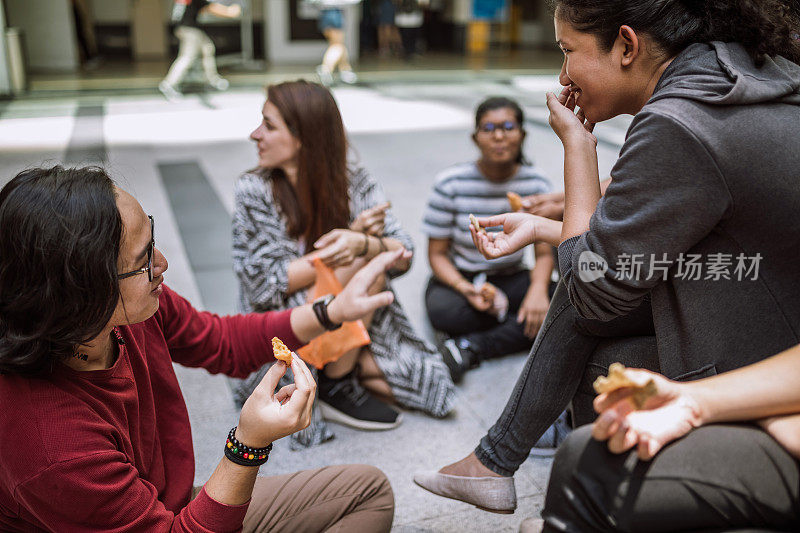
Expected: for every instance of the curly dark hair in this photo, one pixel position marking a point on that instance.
(60, 233)
(502, 102)
(763, 27)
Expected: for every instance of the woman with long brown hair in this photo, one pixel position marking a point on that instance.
(304, 200)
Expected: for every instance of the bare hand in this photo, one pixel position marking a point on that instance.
(371, 221)
(519, 230)
(339, 247)
(474, 296)
(566, 123)
(354, 301)
(268, 415)
(667, 416)
(532, 312)
(549, 205)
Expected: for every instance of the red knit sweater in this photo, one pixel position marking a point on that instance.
(112, 449)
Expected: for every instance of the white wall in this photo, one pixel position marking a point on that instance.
(49, 28)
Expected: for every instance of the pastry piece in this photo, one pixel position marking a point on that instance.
(473, 221)
(617, 379)
(515, 200)
(488, 292)
(281, 352)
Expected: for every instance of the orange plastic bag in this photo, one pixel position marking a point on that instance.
(331, 345)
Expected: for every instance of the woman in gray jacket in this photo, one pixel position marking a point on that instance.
(698, 218)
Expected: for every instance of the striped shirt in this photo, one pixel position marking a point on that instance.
(462, 189)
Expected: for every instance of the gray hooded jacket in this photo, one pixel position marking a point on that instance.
(708, 177)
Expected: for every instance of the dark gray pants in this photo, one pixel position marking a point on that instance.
(560, 365)
(717, 478)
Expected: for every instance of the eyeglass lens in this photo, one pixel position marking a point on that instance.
(506, 126)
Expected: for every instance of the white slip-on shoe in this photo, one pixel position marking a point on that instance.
(493, 494)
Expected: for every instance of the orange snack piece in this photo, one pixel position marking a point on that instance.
(281, 352)
(617, 379)
(488, 292)
(515, 200)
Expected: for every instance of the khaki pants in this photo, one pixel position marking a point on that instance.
(340, 498)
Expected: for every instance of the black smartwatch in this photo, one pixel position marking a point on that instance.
(320, 308)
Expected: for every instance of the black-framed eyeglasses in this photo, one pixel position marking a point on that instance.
(506, 126)
(150, 252)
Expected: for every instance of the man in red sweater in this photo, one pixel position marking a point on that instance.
(95, 432)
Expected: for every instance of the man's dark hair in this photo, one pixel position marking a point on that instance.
(501, 102)
(60, 233)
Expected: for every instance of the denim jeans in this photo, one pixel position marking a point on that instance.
(555, 367)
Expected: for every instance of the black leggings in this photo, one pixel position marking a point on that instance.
(718, 478)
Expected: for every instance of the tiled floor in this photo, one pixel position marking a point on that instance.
(180, 161)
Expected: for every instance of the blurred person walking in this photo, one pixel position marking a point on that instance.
(388, 35)
(331, 25)
(409, 20)
(195, 42)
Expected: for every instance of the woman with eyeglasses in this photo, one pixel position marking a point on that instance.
(95, 431)
(481, 325)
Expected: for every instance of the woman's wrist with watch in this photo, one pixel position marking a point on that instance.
(327, 311)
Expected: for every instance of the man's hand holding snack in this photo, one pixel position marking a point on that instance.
(643, 410)
(371, 221)
(268, 415)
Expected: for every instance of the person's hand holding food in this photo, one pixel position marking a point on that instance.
(645, 410)
(548, 205)
(372, 221)
(519, 230)
(268, 415)
(340, 247)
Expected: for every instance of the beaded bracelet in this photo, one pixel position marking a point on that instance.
(245, 455)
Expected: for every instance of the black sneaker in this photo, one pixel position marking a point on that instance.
(458, 357)
(346, 402)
